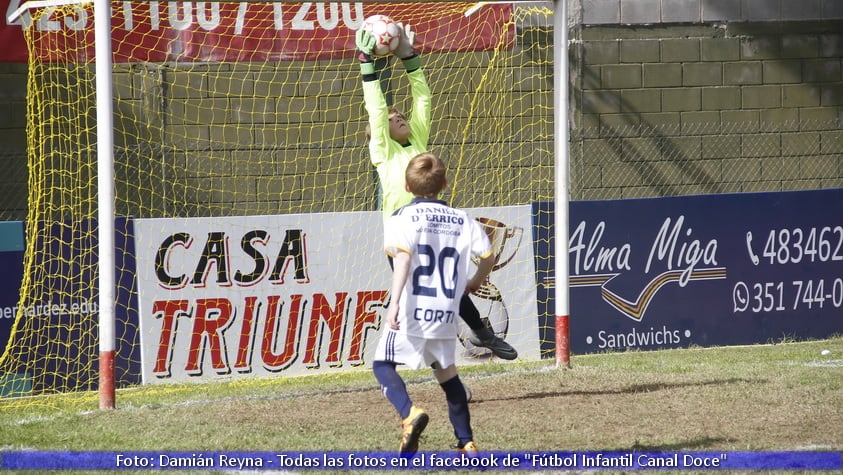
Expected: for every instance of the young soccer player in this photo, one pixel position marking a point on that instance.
(394, 139)
(432, 246)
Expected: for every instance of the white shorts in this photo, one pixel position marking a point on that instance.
(414, 351)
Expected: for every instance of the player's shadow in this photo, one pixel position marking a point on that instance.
(700, 443)
(694, 444)
(631, 389)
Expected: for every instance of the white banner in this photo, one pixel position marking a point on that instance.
(294, 294)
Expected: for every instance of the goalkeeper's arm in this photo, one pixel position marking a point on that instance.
(405, 50)
(365, 46)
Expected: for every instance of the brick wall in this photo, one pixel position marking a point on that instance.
(13, 141)
(688, 109)
(613, 12)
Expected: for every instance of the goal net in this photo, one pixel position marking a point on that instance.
(249, 111)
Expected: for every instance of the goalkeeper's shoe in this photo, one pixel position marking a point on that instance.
(413, 426)
(485, 338)
(470, 447)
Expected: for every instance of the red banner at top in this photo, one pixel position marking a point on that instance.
(246, 31)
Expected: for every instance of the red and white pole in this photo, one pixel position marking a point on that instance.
(561, 161)
(105, 200)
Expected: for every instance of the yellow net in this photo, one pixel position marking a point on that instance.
(248, 109)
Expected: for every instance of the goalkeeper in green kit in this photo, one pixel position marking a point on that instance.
(394, 139)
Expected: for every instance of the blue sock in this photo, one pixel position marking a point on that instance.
(458, 409)
(393, 387)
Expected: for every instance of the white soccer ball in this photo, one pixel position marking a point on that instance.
(386, 31)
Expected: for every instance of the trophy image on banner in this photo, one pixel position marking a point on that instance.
(505, 242)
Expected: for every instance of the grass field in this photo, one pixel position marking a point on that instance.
(785, 396)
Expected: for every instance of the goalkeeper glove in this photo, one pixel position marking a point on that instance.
(365, 45)
(405, 44)
(405, 49)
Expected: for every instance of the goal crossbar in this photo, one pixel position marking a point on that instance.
(34, 4)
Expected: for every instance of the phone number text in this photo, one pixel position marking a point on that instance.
(795, 246)
(780, 296)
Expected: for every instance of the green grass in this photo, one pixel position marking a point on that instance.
(783, 396)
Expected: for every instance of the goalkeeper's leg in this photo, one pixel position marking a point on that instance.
(483, 334)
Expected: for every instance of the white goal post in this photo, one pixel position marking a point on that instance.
(561, 166)
(561, 190)
(105, 186)
(105, 201)
(105, 179)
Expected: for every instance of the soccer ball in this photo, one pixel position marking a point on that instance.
(386, 31)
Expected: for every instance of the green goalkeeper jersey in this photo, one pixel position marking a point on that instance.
(389, 157)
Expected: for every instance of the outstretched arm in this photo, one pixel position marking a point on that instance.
(401, 269)
(420, 118)
(373, 98)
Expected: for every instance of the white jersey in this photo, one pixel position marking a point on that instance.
(442, 241)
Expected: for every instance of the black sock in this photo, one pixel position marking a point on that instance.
(470, 314)
(458, 409)
(393, 387)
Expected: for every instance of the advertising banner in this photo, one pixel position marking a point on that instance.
(63, 307)
(11, 261)
(247, 31)
(697, 270)
(293, 294)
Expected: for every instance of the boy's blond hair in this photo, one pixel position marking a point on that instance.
(425, 175)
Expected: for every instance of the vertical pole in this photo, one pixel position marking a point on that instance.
(105, 201)
(560, 149)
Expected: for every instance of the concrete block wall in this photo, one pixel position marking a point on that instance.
(707, 108)
(13, 141)
(638, 12)
(291, 131)
(243, 138)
